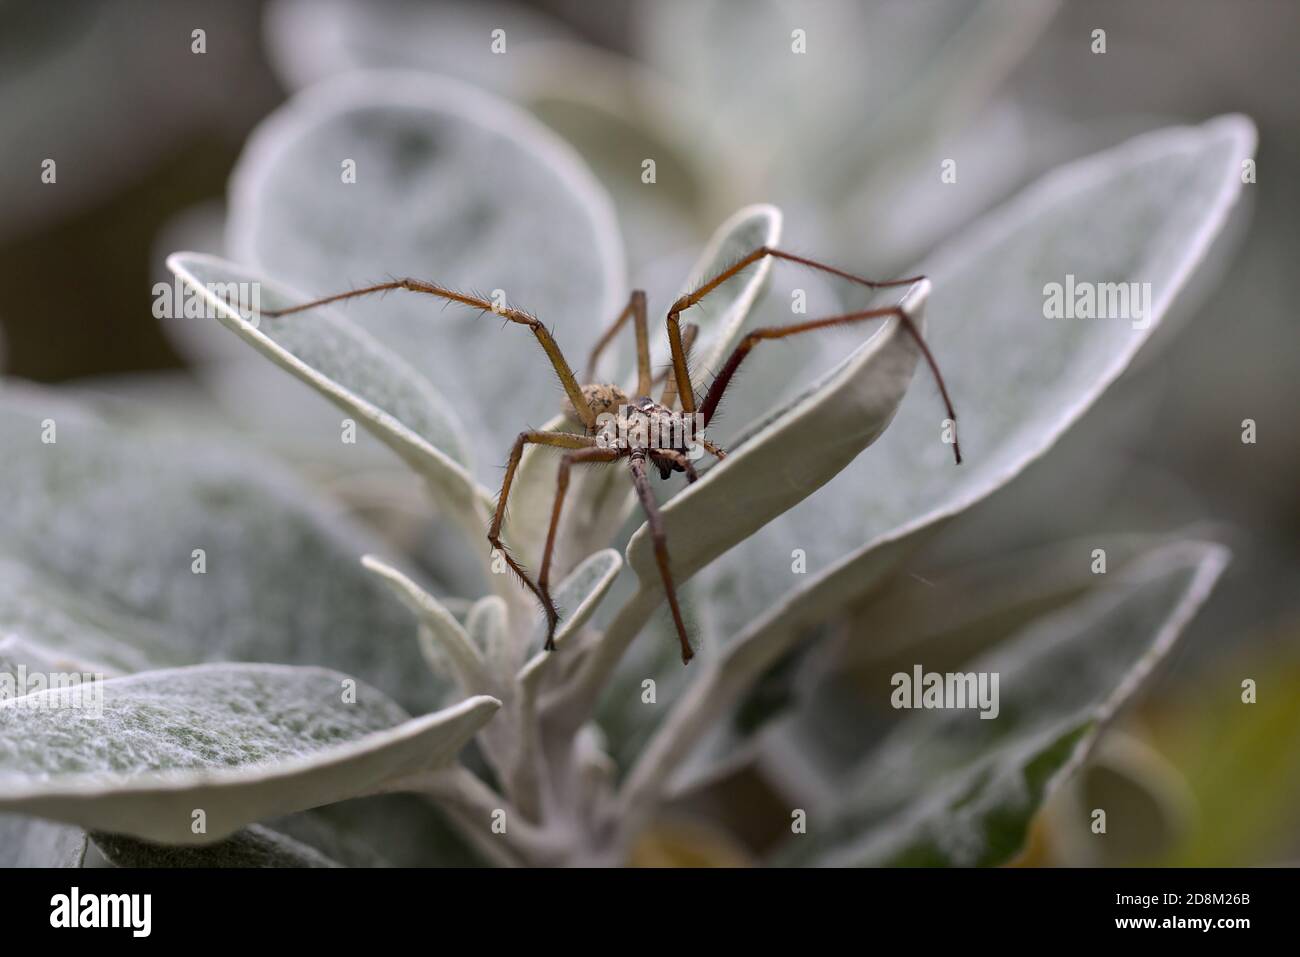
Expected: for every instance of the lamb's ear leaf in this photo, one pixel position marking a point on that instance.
(951, 788)
(806, 442)
(254, 846)
(226, 553)
(722, 314)
(451, 184)
(350, 368)
(486, 625)
(46, 623)
(726, 717)
(33, 842)
(446, 642)
(388, 830)
(1143, 212)
(142, 755)
(577, 597)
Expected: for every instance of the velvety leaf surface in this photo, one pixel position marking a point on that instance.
(390, 830)
(952, 788)
(254, 846)
(238, 742)
(114, 512)
(452, 185)
(577, 597)
(330, 353)
(37, 611)
(1144, 212)
(786, 456)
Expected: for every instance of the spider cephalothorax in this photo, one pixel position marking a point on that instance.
(668, 434)
(669, 439)
(666, 437)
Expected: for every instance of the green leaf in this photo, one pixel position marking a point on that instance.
(805, 443)
(329, 352)
(451, 185)
(952, 788)
(254, 846)
(444, 639)
(239, 742)
(486, 626)
(1143, 212)
(937, 612)
(114, 512)
(577, 597)
(1128, 215)
(44, 617)
(952, 613)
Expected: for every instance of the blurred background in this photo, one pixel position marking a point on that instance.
(145, 133)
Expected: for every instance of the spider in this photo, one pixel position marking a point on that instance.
(666, 434)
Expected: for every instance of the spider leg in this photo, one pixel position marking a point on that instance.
(635, 310)
(685, 302)
(563, 440)
(682, 459)
(592, 454)
(570, 383)
(728, 370)
(669, 398)
(714, 450)
(655, 521)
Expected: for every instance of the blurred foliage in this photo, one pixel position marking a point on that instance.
(75, 302)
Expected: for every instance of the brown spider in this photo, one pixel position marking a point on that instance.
(639, 429)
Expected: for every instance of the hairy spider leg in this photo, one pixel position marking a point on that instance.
(636, 311)
(712, 449)
(567, 379)
(682, 372)
(590, 455)
(669, 398)
(562, 440)
(655, 522)
(645, 381)
(719, 386)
